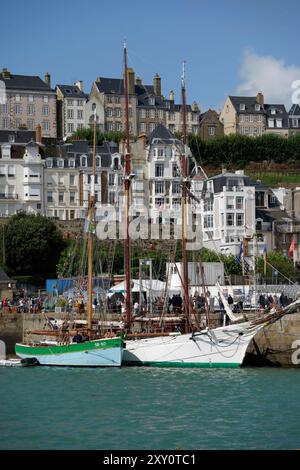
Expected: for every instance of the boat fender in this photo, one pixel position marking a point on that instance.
(30, 361)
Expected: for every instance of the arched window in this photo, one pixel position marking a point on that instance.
(116, 163)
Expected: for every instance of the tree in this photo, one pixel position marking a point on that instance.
(32, 245)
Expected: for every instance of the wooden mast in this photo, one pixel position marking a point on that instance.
(184, 201)
(127, 194)
(91, 227)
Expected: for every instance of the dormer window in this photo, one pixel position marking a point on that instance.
(18, 98)
(242, 107)
(60, 163)
(72, 163)
(49, 162)
(273, 111)
(98, 162)
(83, 161)
(152, 101)
(257, 107)
(11, 138)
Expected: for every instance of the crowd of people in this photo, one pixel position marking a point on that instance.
(23, 304)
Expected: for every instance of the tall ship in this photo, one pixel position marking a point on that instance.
(192, 347)
(82, 347)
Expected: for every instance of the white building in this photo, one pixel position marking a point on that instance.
(21, 175)
(228, 209)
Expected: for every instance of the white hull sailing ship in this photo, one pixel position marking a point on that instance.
(218, 347)
(211, 347)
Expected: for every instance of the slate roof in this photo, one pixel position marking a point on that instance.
(295, 110)
(163, 135)
(248, 101)
(71, 91)
(280, 113)
(20, 137)
(110, 85)
(79, 148)
(25, 82)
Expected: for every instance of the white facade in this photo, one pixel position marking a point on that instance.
(21, 181)
(228, 213)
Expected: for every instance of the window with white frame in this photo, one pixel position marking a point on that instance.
(18, 123)
(295, 122)
(176, 188)
(61, 196)
(49, 162)
(49, 196)
(71, 163)
(117, 112)
(278, 122)
(46, 110)
(208, 221)
(230, 202)
(60, 163)
(111, 179)
(30, 124)
(30, 109)
(208, 204)
(70, 127)
(5, 123)
(259, 118)
(142, 127)
(151, 127)
(273, 111)
(242, 107)
(30, 98)
(239, 202)
(18, 109)
(142, 113)
(271, 122)
(211, 130)
(72, 180)
(230, 219)
(159, 187)
(45, 125)
(159, 170)
(79, 114)
(70, 113)
(45, 99)
(250, 117)
(257, 107)
(72, 197)
(111, 197)
(240, 219)
(152, 113)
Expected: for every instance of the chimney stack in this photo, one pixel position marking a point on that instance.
(260, 98)
(47, 79)
(138, 81)
(157, 85)
(5, 73)
(38, 134)
(131, 81)
(79, 84)
(172, 95)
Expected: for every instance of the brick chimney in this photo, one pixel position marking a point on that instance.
(79, 84)
(157, 84)
(47, 79)
(38, 134)
(5, 73)
(260, 98)
(131, 81)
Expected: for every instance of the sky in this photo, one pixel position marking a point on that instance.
(230, 46)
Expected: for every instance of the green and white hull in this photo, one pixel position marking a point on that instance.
(106, 352)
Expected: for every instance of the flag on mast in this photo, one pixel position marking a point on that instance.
(292, 248)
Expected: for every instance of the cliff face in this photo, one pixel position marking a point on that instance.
(278, 343)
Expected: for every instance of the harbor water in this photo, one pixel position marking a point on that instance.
(147, 408)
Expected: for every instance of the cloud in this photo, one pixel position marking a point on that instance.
(271, 76)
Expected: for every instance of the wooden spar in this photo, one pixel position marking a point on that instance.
(127, 194)
(91, 226)
(184, 198)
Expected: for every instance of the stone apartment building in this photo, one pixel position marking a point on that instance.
(29, 101)
(251, 116)
(147, 106)
(68, 172)
(71, 101)
(210, 126)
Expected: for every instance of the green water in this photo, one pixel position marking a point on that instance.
(140, 408)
